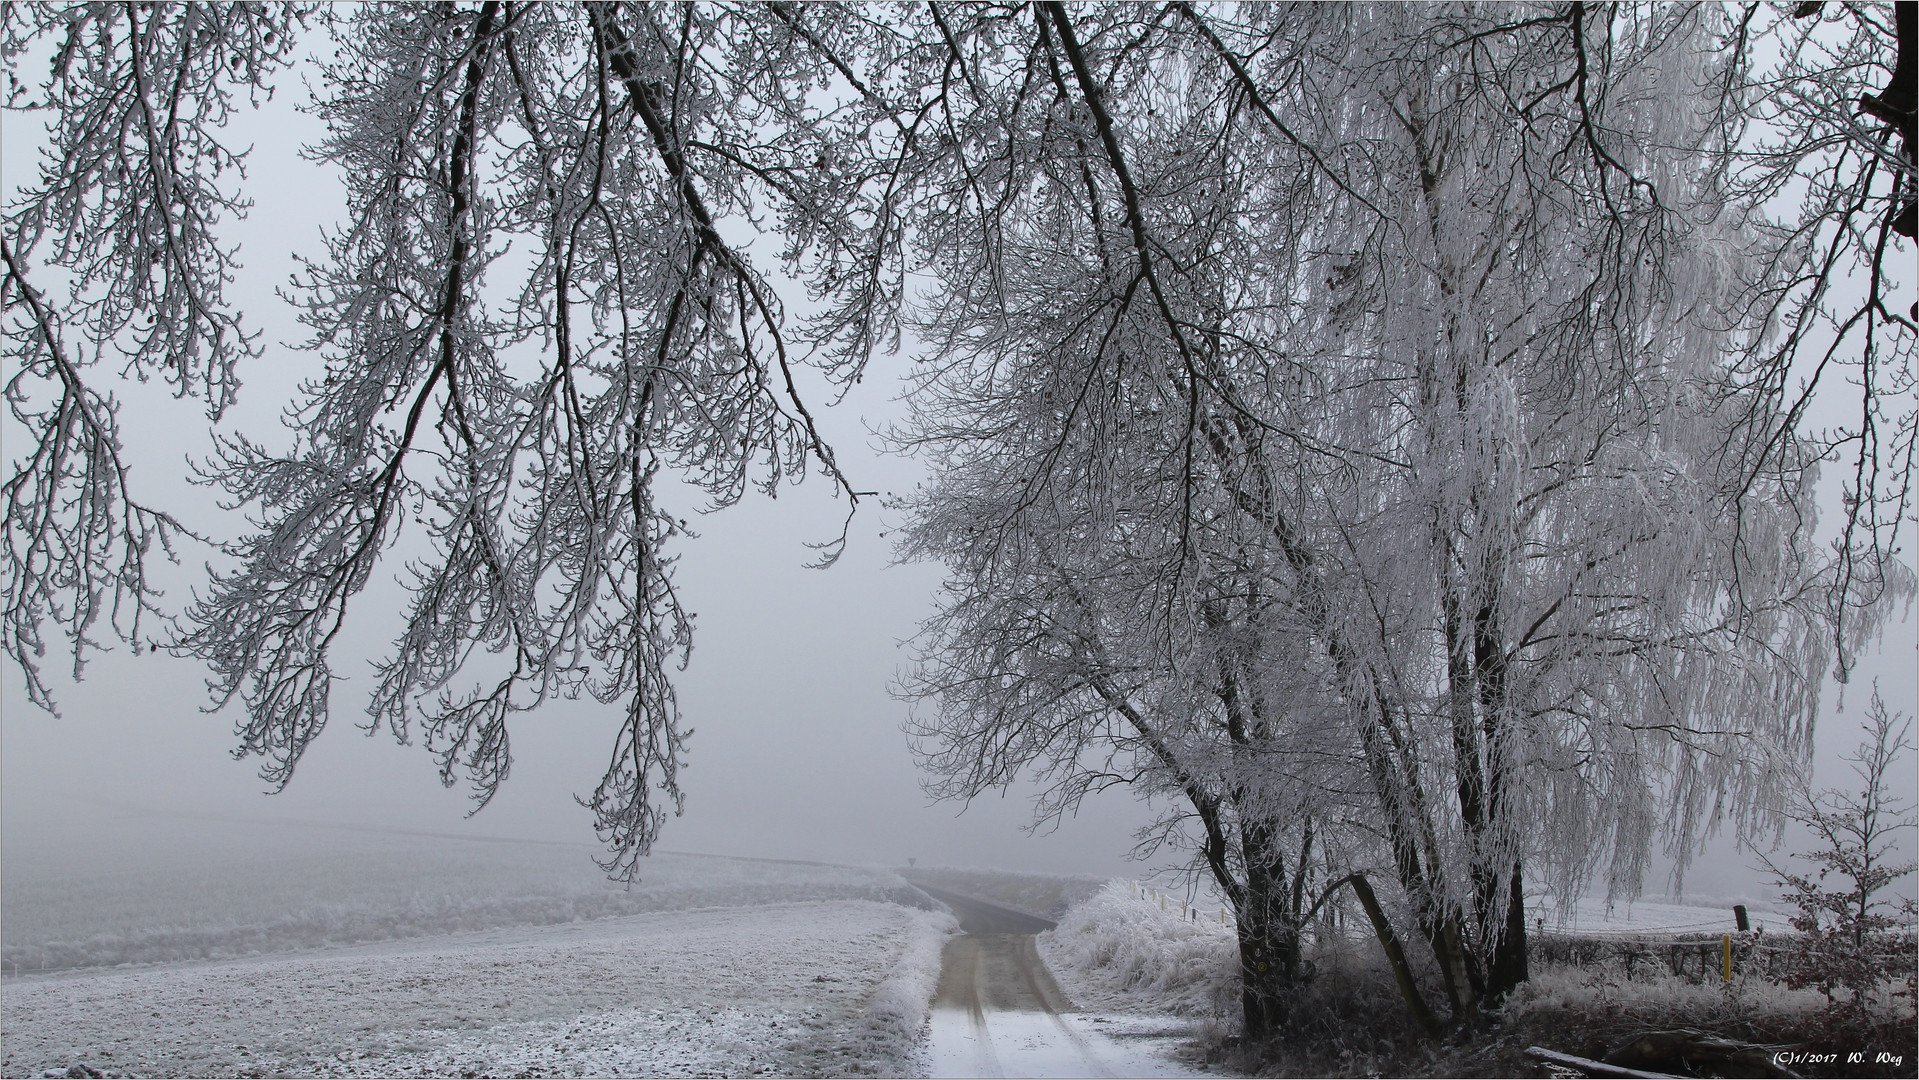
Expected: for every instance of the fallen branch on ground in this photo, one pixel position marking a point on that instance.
(1684, 1046)
(1591, 1067)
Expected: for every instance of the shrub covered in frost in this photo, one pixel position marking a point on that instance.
(1120, 950)
(1576, 990)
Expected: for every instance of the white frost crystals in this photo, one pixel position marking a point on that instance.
(1381, 430)
(524, 437)
(774, 989)
(130, 218)
(519, 425)
(1122, 951)
(1362, 448)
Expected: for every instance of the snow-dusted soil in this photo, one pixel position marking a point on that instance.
(798, 989)
(1000, 1012)
(1041, 1044)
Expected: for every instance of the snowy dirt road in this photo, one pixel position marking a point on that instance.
(998, 1011)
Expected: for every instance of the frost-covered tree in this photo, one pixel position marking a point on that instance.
(1113, 616)
(127, 210)
(1375, 372)
(517, 422)
(1381, 430)
(524, 436)
(1595, 622)
(1818, 103)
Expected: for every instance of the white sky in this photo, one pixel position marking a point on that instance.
(798, 751)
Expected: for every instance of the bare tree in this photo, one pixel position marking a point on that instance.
(520, 426)
(1850, 935)
(125, 221)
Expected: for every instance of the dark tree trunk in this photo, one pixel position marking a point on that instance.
(1505, 940)
(1395, 955)
(1508, 967)
(1269, 945)
(1268, 978)
(1406, 826)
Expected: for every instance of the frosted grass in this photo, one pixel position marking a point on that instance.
(1129, 949)
(1121, 951)
(799, 989)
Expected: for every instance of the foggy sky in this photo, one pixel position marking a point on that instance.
(798, 751)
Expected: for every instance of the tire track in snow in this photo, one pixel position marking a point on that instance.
(998, 1011)
(959, 992)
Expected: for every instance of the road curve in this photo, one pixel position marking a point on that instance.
(978, 916)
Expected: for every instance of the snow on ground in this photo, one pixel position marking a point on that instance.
(895, 1018)
(1142, 979)
(1592, 915)
(1043, 895)
(782, 989)
(1036, 1044)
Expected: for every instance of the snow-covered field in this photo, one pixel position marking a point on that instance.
(172, 901)
(382, 953)
(387, 954)
(1044, 895)
(782, 989)
(1591, 915)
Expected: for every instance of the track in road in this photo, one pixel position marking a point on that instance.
(999, 1013)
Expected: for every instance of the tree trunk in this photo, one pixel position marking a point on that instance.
(1268, 978)
(1505, 953)
(1396, 956)
(1458, 966)
(1508, 967)
(1269, 945)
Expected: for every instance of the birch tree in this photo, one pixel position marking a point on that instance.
(1436, 304)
